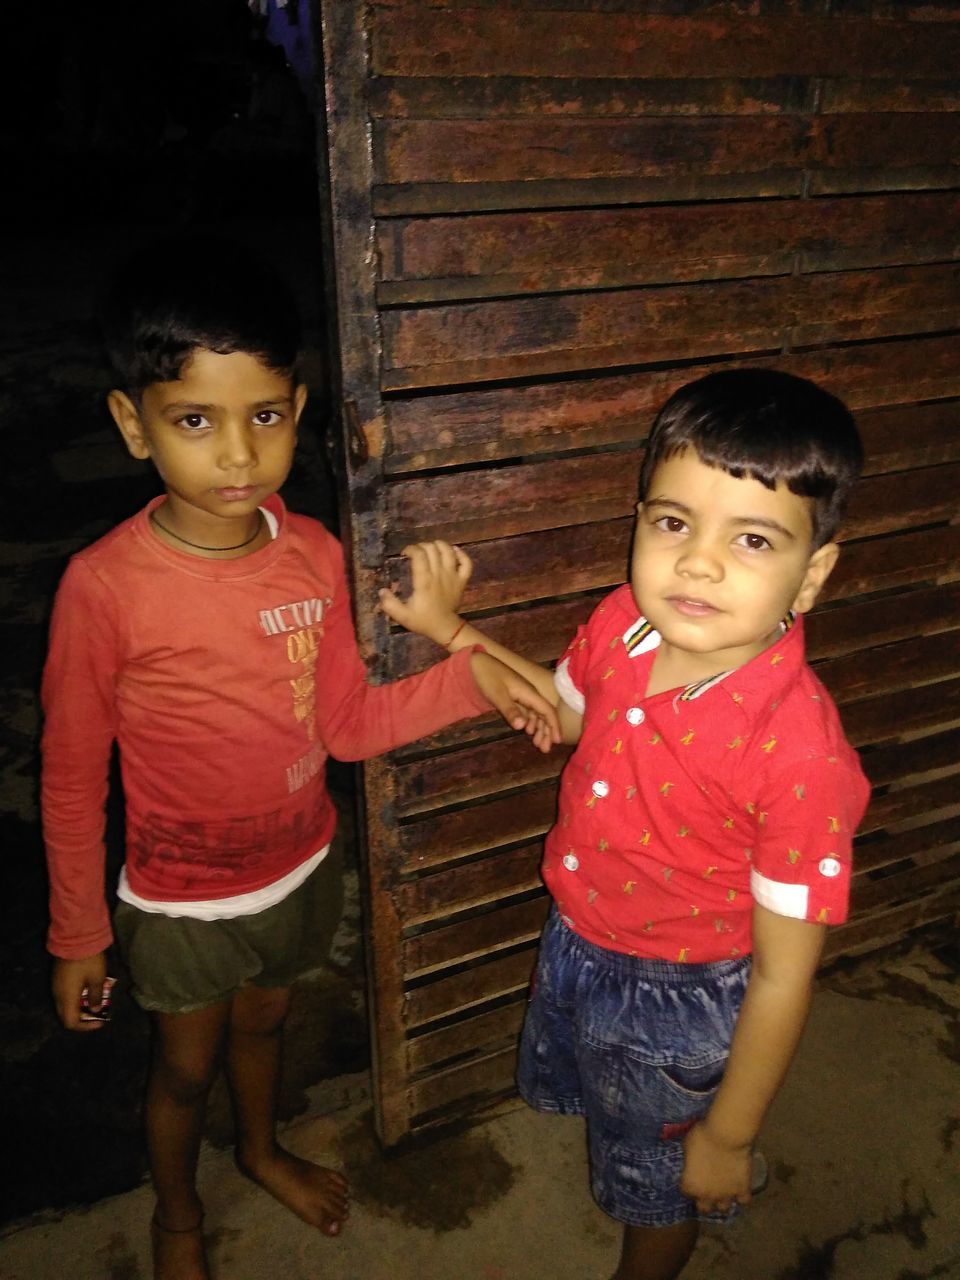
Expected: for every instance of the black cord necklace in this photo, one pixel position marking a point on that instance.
(199, 547)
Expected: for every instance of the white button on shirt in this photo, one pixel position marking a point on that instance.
(635, 715)
(601, 789)
(571, 861)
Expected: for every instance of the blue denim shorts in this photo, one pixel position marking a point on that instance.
(636, 1046)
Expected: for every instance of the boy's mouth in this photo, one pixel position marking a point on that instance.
(691, 606)
(235, 494)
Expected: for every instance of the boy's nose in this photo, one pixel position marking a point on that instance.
(698, 560)
(236, 447)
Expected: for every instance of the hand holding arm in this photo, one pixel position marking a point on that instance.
(718, 1150)
(69, 979)
(518, 702)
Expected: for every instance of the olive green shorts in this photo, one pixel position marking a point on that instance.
(178, 964)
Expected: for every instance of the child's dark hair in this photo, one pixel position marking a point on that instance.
(196, 291)
(769, 426)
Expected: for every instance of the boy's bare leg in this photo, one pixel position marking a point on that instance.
(254, 1055)
(186, 1058)
(656, 1253)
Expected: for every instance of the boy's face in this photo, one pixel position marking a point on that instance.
(718, 562)
(221, 436)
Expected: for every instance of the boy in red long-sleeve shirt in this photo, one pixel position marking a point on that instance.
(210, 637)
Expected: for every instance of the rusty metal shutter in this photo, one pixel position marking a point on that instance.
(547, 216)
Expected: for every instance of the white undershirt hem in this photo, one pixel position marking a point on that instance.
(241, 904)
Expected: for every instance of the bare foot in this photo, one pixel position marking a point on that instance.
(313, 1193)
(178, 1254)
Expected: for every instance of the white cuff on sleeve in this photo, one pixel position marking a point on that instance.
(782, 899)
(567, 690)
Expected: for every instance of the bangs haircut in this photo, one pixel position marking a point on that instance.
(189, 292)
(768, 426)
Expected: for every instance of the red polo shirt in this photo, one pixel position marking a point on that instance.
(678, 812)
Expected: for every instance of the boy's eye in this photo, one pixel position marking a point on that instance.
(670, 524)
(266, 417)
(754, 542)
(193, 421)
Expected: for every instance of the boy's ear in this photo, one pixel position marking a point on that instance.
(299, 401)
(819, 568)
(127, 417)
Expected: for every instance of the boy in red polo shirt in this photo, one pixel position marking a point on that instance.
(703, 840)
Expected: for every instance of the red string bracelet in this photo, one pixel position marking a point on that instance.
(455, 634)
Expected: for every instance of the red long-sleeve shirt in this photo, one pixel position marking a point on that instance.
(226, 684)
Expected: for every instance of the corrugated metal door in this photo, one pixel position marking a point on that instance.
(547, 216)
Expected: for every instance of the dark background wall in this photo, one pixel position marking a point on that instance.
(126, 120)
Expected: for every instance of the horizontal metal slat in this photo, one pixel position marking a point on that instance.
(436, 166)
(495, 930)
(469, 97)
(410, 152)
(898, 762)
(434, 259)
(907, 884)
(492, 1031)
(932, 840)
(439, 841)
(471, 507)
(906, 664)
(484, 424)
(477, 341)
(889, 95)
(547, 562)
(493, 42)
(456, 776)
(872, 929)
(894, 617)
(916, 802)
(904, 436)
(502, 976)
(896, 715)
(448, 1092)
(505, 872)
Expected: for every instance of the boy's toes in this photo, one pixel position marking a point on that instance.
(313, 1193)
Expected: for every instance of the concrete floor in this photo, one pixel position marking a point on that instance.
(862, 1144)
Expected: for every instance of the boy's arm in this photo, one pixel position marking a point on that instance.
(439, 574)
(358, 720)
(718, 1150)
(79, 726)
